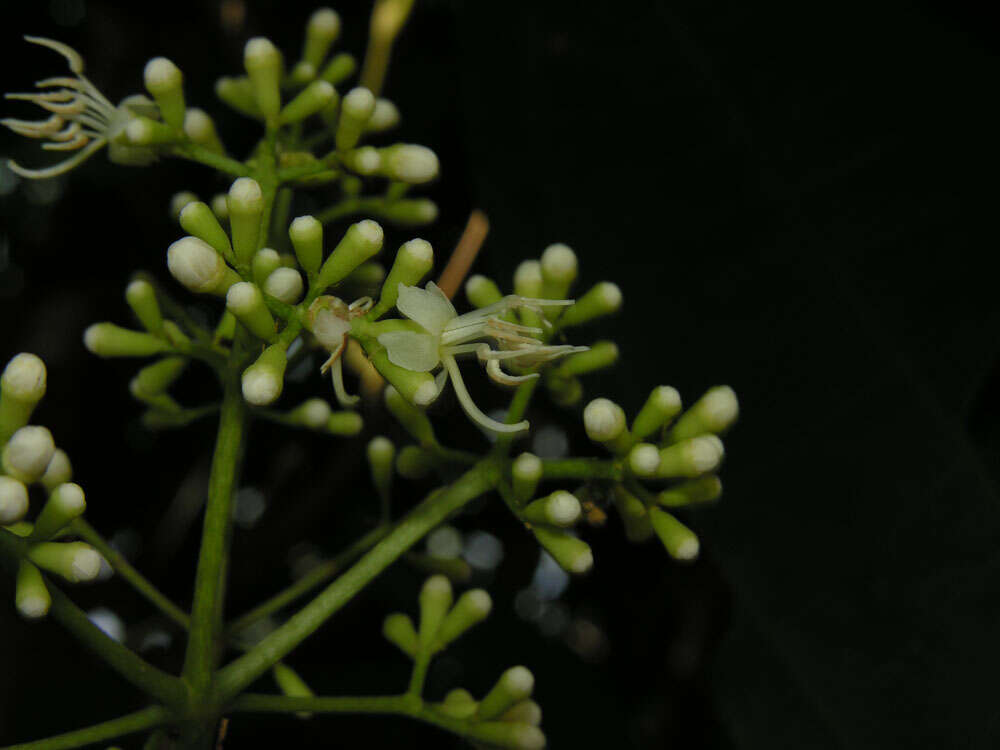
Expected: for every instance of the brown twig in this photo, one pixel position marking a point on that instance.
(465, 253)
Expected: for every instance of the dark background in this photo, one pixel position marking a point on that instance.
(798, 199)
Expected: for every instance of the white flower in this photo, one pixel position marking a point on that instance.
(82, 119)
(330, 324)
(445, 334)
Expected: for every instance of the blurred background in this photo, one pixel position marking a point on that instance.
(796, 199)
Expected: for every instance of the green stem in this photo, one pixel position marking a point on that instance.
(581, 468)
(134, 722)
(432, 511)
(202, 155)
(125, 569)
(518, 406)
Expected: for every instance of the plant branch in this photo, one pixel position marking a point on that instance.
(148, 718)
(194, 152)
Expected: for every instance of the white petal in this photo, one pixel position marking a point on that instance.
(429, 307)
(412, 350)
(330, 329)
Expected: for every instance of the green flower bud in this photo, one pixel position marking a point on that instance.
(690, 458)
(142, 131)
(369, 274)
(408, 212)
(384, 117)
(246, 207)
(313, 98)
(13, 500)
(301, 74)
(179, 200)
(712, 413)
(197, 219)
(482, 291)
(265, 262)
(525, 712)
(704, 490)
(264, 379)
(285, 284)
(604, 420)
(559, 269)
(360, 242)
(312, 413)
(663, 404)
(345, 423)
(633, 513)
(64, 504)
(600, 355)
(398, 629)
(322, 31)
(561, 508)
(165, 83)
(603, 299)
(198, 267)
(409, 163)
(28, 452)
(512, 735)
(32, 598)
(22, 386)
(644, 460)
(75, 561)
(564, 391)
(413, 420)
(263, 64)
(525, 473)
(514, 686)
(679, 541)
(238, 93)
(340, 68)
(109, 340)
(58, 471)
(572, 553)
(458, 704)
(381, 454)
(528, 279)
(413, 462)
(290, 684)
(435, 601)
(200, 128)
(364, 160)
(245, 301)
(306, 234)
(471, 609)
(154, 380)
(141, 297)
(356, 108)
(413, 261)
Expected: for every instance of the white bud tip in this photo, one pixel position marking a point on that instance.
(370, 231)
(359, 102)
(284, 284)
(161, 74)
(92, 338)
(13, 500)
(197, 124)
(527, 466)
(315, 413)
(425, 394)
(528, 737)
(195, 264)
(385, 115)
(644, 459)
(476, 282)
(418, 250)
(519, 681)
(325, 21)
(610, 295)
(437, 585)
(559, 262)
(411, 163)
(305, 228)
(380, 446)
(138, 288)
(603, 419)
(242, 297)
(583, 562)
(24, 377)
(139, 132)
(667, 398)
(528, 278)
(704, 453)
(219, 206)
(720, 407)
(59, 469)
(563, 508)
(29, 451)
(367, 160)
(260, 386)
(245, 193)
(688, 549)
(479, 601)
(260, 51)
(323, 89)
(86, 564)
(32, 607)
(71, 498)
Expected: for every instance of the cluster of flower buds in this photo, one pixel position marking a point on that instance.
(506, 716)
(30, 457)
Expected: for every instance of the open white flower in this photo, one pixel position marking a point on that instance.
(82, 119)
(330, 323)
(445, 334)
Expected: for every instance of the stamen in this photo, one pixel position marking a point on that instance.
(343, 397)
(499, 376)
(470, 407)
(67, 133)
(71, 55)
(76, 142)
(61, 167)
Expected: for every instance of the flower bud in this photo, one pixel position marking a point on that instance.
(200, 128)
(291, 684)
(58, 471)
(408, 212)
(702, 490)
(264, 379)
(528, 279)
(511, 735)
(413, 261)
(31, 598)
(559, 269)
(364, 160)
(680, 542)
(13, 500)
(64, 504)
(398, 629)
(340, 68)
(514, 686)
(712, 413)
(409, 163)
(413, 420)
(525, 473)
(633, 513)
(165, 83)
(322, 31)
(246, 207)
(525, 712)
(345, 423)
(198, 267)
(238, 93)
(141, 297)
(306, 234)
(142, 131)
(75, 561)
(471, 609)
(154, 380)
(413, 462)
(22, 386)
(384, 117)
(312, 413)
(198, 219)
(604, 420)
(603, 299)
(458, 704)
(109, 340)
(28, 452)
(285, 284)
(314, 97)
(381, 454)
(644, 460)
(565, 392)
(561, 508)
(435, 601)
(265, 262)
(263, 64)
(301, 74)
(572, 553)
(356, 108)
(246, 303)
(600, 355)
(368, 274)
(690, 458)
(482, 291)
(663, 404)
(179, 200)
(360, 242)
(220, 206)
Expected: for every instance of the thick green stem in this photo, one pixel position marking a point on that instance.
(202, 155)
(432, 511)
(518, 406)
(134, 722)
(581, 468)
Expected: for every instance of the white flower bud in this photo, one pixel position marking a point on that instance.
(179, 200)
(24, 378)
(602, 299)
(528, 279)
(559, 269)
(482, 291)
(644, 459)
(384, 117)
(306, 234)
(410, 163)
(195, 264)
(27, 454)
(561, 508)
(262, 61)
(359, 103)
(13, 500)
(161, 75)
(285, 284)
(604, 420)
(713, 412)
(514, 686)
